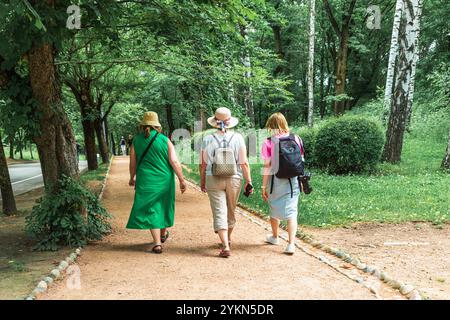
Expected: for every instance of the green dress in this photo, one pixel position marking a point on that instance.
(154, 199)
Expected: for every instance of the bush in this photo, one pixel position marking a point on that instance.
(71, 217)
(308, 136)
(348, 144)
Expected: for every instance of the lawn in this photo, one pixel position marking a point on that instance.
(414, 190)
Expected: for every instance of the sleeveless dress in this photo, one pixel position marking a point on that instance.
(282, 205)
(154, 199)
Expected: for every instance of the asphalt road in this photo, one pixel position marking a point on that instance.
(28, 176)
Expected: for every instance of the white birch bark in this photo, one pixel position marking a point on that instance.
(416, 26)
(393, 52)
(312, 21)
(248, 93)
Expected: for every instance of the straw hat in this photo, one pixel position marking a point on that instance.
(150, 119)
(223, 114)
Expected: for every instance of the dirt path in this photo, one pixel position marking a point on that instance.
(120, 268)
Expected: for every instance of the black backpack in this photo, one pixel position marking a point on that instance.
(291, 159)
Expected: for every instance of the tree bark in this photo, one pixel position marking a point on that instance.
(55, 140)
(8, 201)
(343, 32)
(446, 160)
(248, 92)
(399, 110)
(416, 26)
(312, 21)
(101, 139)
(393, 52)
(11, 148)
(169, 116)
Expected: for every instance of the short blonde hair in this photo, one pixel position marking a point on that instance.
(277, 124)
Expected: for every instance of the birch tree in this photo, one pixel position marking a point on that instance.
(393, 52)
(312, 21)
(404, 80)
(248, 92)
(415, 60)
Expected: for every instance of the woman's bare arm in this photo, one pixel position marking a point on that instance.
(132, 166)
(176, 165)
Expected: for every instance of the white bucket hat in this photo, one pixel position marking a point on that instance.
(223, 114)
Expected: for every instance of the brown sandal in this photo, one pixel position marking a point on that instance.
(155, 249)
(225, 253)
(165, 237)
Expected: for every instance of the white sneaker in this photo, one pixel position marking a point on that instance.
(271, 239)
(290, 249)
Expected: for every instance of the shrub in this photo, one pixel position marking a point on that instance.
(348, 144)
(308, 136)
(72, 217)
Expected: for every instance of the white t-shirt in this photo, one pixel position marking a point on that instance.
(236, 143)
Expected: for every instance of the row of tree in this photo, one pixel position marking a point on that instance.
(183, 59)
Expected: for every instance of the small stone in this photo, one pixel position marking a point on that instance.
(78, 251)
(68, 260)
(63, 265)
(55, 273)
(406, 289)
(383, 276)
(354, 262)
(48, 280)
(369, 269)
(73, 256)
(377, 274)
(414, 295)
(359, 280)
(348, 259)
(394, 284)
(361, 266)
(42, 285)
(340, 254)
(30, 298)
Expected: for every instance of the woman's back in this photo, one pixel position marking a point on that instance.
(155, 168)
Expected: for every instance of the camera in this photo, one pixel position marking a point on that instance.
(248, 190)
(304, 183)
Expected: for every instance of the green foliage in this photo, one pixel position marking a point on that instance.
(348, 144)
(73, 217)
(308, 136)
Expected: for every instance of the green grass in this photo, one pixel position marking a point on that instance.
(414, 190)
(95, 175)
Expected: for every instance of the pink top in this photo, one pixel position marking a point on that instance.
(268, 146)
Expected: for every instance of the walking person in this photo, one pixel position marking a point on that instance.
(123, 146)
(283, 156)
(153, 162)
(223, 165)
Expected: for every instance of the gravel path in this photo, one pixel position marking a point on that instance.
(119, 267)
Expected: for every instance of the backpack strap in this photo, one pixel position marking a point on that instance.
(292, 190)
(146, 149)
(271, 184)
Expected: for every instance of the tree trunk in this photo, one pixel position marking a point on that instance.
(248, 92)
(393, 52)
(416, 26)
(446, 160)
(341, 72)
(398, 115)
(101, 139)
(113, 144)
(31, 151)
(11, 148)
(169, 115)
(8, 201)
(89, 143)
(276, 29)
(56, 141)
(312, 21)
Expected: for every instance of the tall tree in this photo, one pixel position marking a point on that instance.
(312, 22)
(248, 91)
(404, 80)
(8, 200)
(393, 52)
(343, 33)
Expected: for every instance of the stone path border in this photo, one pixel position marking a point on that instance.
(406, 290)
(58, 273)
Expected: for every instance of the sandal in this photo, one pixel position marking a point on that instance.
(225, 253)
(165, 237)
(155, 249)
